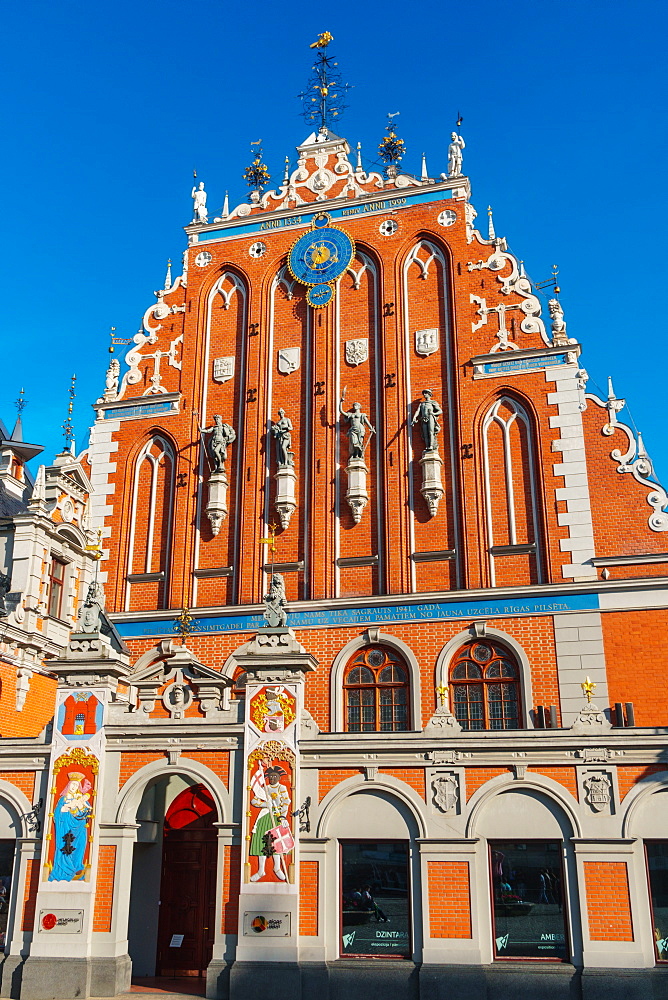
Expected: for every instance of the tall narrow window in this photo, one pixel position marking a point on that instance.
(376, 692)
(151, 524)
(484, 681)
(511, 507)
(56, 582)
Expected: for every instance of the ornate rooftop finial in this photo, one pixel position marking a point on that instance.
(359, 155)
(226, 206)
(286, 172)
(425, 175)
(391, 147)
(491, 233)
(68, 426)
(21, 402)
(256, 174)
(323, 98)
(168, 276)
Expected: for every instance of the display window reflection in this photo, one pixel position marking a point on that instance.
(657, 870)
(375, 899)
(528, 900)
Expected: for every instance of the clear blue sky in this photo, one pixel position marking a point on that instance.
(108, 107)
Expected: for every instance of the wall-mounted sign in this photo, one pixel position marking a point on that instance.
(266, 924)
(176, 940)
(60, 921)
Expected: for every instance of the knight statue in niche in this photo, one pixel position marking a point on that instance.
(282, 433)
(275, 603)
(427, 413)
(221, 435)
(357, 424)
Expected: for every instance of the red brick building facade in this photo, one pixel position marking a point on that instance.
(472, 574)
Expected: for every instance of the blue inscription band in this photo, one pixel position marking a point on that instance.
(430, 611)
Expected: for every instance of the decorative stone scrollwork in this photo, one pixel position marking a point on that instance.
(635, 459)
(516, 282)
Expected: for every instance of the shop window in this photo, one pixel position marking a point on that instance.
(376, 692)
(484, 681)
(56, 582)
(657, 870)
(528, 900)
(7, 848)
(375, 899)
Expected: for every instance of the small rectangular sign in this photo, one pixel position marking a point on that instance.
(177, 940)
(266, 924)
(60, 921)
(509, 365)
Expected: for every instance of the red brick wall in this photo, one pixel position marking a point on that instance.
(608, 902)
(104, 888)
(231, 889)
(329, 779)
(628, 638)
(30, 894)
(413, 776)
(449, 899)
(25, 780)
(476, 777)
(132, 762)
(566, 776)
(308, 898)
(629, 775)
(37, 710)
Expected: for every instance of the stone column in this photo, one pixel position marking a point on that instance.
(357, 495)
(62, 941)
(267, 947)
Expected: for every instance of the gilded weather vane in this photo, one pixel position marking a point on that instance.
(256, 173)
(323, 98)
(21, 402)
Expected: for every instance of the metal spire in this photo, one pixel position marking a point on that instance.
(68, 426)
(323, 98)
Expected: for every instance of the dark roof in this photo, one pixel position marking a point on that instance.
(11, 505)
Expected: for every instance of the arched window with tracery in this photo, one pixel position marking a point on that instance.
(377, 692)
(485, 686)
(511, 495)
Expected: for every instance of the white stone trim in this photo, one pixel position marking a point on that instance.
(569, 398)
(580, 653)
(382, 782)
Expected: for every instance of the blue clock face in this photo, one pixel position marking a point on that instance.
(320, 295)
(321, 255)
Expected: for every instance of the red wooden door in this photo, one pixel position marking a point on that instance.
(188, 886)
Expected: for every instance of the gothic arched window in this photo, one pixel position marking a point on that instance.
(511, 495)
(484, 686)
(376, 690)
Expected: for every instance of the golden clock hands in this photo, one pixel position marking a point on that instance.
(320, 254)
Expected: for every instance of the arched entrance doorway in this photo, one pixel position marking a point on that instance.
(173, 891)
(188, 885)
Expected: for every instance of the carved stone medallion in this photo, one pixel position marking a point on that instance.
(426, 342)
(445, 790)
(357, 351)
(289, 360)
(223, 369)
(598, 790)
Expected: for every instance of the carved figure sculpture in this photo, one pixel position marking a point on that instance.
(559, 335)
(282, 434)
(455, 157)
(275, 603)
(221, 435)
(89, 612)
(427, 412)
(199, 198)
(358, 422)
(112, 377)
(5, 584)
